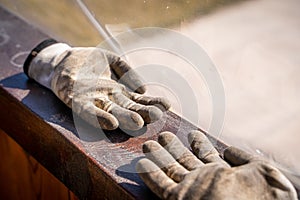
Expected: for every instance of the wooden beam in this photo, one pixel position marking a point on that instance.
(22, 177)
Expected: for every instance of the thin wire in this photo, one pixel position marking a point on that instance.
(114, 45)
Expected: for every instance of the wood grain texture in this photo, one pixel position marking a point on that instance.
(22, 177)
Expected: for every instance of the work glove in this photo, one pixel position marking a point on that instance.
(99, 87)
(171, 171)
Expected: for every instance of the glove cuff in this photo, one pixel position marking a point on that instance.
(43, 59)
(34, 52)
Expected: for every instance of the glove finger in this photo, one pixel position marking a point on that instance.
(150, 114)
(106, 120)
(159, 102)
(157, 154)
(128, 120)
(155, 178)
(125, 74)
(236, 156)
(278, 181)
(94, 115)
(203, 148)
(175, 147)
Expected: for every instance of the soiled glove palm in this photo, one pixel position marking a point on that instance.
(171, 171)
(92, 82)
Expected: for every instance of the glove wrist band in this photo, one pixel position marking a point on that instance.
(46, 43)
(42, 61)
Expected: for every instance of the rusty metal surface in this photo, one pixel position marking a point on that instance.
(92, 165)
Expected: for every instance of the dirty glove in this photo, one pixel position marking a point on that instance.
(92, 82)
(171, 171)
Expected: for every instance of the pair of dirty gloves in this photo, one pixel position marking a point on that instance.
(92, 82)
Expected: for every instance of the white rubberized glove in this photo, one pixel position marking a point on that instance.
(92, 82)
(172, 171)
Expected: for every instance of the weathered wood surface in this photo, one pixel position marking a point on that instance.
(91, 164)
(22, 177)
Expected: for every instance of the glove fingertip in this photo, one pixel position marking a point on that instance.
(150, 146)
(166, 137)
(144, 165)
(141, 90)
(109, 125)
(195, 135)
(153, 114)
(166, 104)
(106, 120)
(137, 121)
(236, 156)
(163, 104)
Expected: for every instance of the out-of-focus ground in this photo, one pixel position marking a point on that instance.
(254, 44)
(256, 48)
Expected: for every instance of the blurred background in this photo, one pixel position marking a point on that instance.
(65, 20)
(254, 44)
